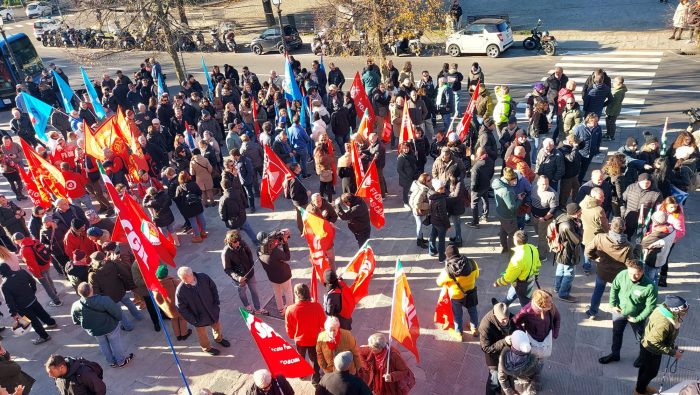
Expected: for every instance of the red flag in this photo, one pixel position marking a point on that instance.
(408, 131)
(319, 235)
(363, 264)
(463, 128)
(36, 192)
(274, 173)
(314, 284)
(370, 190)
(162, 244)
(362, 103)
(444, 318)
(356, 164)
(405, 328)
(256, 125)
(388, 130)
(279, 356)
(48, 175)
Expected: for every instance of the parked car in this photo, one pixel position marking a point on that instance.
(7, 14)
(47, 25)
(38, 9)
(489, 36)
(270, 40)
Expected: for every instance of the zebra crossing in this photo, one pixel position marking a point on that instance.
(637, 67)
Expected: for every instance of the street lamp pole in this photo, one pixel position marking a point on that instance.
(20, 74)
(278, 4)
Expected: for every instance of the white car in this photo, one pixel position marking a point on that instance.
(489, 36)
(38, 9)
(7, 14)
(45, 25)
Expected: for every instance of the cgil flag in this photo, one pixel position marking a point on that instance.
(465, 123)
(99, 110)
(37, 194)
(274, 174)
(408, 130)
(362, 264)
(67, 93)
(370, 190)
(404, 327)
(444, 317)
(49, 177)
(39, 114)
(279, 356)
(362, 103)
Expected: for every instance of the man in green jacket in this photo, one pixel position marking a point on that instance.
(507, 203)
(100, 316)
(612, 111)
(522, 271)
(659, 340)
(632, 298)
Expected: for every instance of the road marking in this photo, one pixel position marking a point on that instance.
(608, 66)
(676, 90)
(9, 28)
(581, 80)
(626, 123)
(589, 71)
(615, 53)
(608, 59)
(634, 112)
(633, 100)
(579, 88)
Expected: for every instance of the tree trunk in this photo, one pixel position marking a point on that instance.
(181, 12)
(170, 46)
(269, 16)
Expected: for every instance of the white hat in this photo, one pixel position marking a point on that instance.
(520, 341)
(452, 137)
(684, 152)
(437, 184)
(262, 378)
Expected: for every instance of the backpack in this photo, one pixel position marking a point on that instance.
(553, 239)
(457, 267)
(41, 253)
(347, 301)
(94, 366)
(513, 108)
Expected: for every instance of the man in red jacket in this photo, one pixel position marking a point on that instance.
(76, 238)
(36, 266)
(76, 187)
(303, 322)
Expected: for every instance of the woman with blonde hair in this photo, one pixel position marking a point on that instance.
(540, 320)
(9, 257)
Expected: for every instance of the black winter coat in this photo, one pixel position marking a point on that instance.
(344, 383)
(570, 236)
(406, 167)
(572, 161)
(232, 207)
(457, 198)
(238, 261)
(19, 290)
(276, 264)
(80, 379)
(492, 337)
(198, 304)
(482, 173)
(357, 216)
(438, 209)
(487, 141)
(296, 191)
(160, 204)
(189, 210)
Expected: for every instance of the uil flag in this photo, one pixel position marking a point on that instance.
(94, 100)
(37, 193)
(274, 173)
(408, 130)
(404, 327)
(67, 93)
(49, 177)
(279, 356)
(291, 88)
(363, 264)
(362, 103)
(39, 114)
(444, 318)
(370, 190)
(209, 83)
(365, 126)
(463, 127)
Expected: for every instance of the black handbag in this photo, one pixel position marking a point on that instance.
(522, 287)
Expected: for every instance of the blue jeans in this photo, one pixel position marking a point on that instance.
(111, 347)
(536, 143)
(133, 310)
(587, 265)
(251, 284)
(170, 229)
(446, 120)
(652, 273)
(202, 222)
(419, 226)
(86, 200)
(521, 222)
(597, 295)
(454, 219)
(250, 232)
(459, 313)
(249, 191)
(437, 232)
(456, 95)
(563, 279)
(302, 157)
(511, 296)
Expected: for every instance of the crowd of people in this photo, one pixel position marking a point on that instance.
(620, 225)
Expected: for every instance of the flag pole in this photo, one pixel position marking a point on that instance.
(391, 319)
(170, 342)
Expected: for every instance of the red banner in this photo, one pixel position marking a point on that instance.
(36, 192)
(405, 328)
(363, 264)
(362, 102)
(388, 130)
(280, 357)
(47, 174)
(274, 173)
(444, 318)
(408, 131)
(370, 190)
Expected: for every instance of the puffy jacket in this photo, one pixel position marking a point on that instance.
(492, 336)
(189, 210)
(593, 219)
(590, 138)
(98, 314)
(160, 204)
(507, 201)
(406, 167)
(357, 216)
(419, 198)
(524, 265)
(296, 192)
(466, 281)
(11, 375)
(11, 223)
(487, 141)
(276, 264)
(596, 98)
(457, 198)
(26, 252)
(571, 118)
(238, 262)
(553, 85)
(677, 220)
(518, 164)
(635, 300)
(570, 237)
(484, 103)
(442, 170)
(664, 234)
(617, 95)
(303, 322)
(508, 372)
(609, 255)
(637, 198)
(111, 279)
(661, 332)
(550, 165)
(438, 209)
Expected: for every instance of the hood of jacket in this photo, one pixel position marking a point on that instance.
(499, 184)
(589, 202)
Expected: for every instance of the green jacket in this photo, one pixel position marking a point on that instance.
(98, 314)
(636, 300)
(615, 104)
(507, 201)
(525, 264)
(661, 332)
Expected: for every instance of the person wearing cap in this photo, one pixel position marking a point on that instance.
(656, 245)
(594, 220)
(439, 219)
(609, 251)
(507, 204)
(12, 217)
(166, 302)
(495, 331)
(550, 163)
(77, 269)
(394, 379)
(338, 301)
(40, 269)
(109, 278)
(459, 276)
(332, 341)
(517, 366)
(303, 322)
(639, 198)
(197, 300)
(265, 384)
(569, 229)
(632, 298)
(536, 96)
(522, 271)
(659, 339)
(590, 135)
(19, 291)
(77, 238)
(355, 212)
(99, 316)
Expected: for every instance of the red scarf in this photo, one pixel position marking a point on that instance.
(333, 342)
(379, 369)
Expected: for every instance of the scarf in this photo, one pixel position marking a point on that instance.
(670, 316)
(333, 342)
(616, 238)
(516, 360)
(379, 368)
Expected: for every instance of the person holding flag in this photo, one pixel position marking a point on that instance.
(354, 210)
(459, 275)
(384, 374)
(339, 301)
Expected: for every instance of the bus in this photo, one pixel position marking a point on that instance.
(29, 62)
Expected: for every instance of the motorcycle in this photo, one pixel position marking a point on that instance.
(409, 46)
(320, 43)
(540, 40)
(200, 44)
(217, 45)
(127, 41)
(230, 38)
